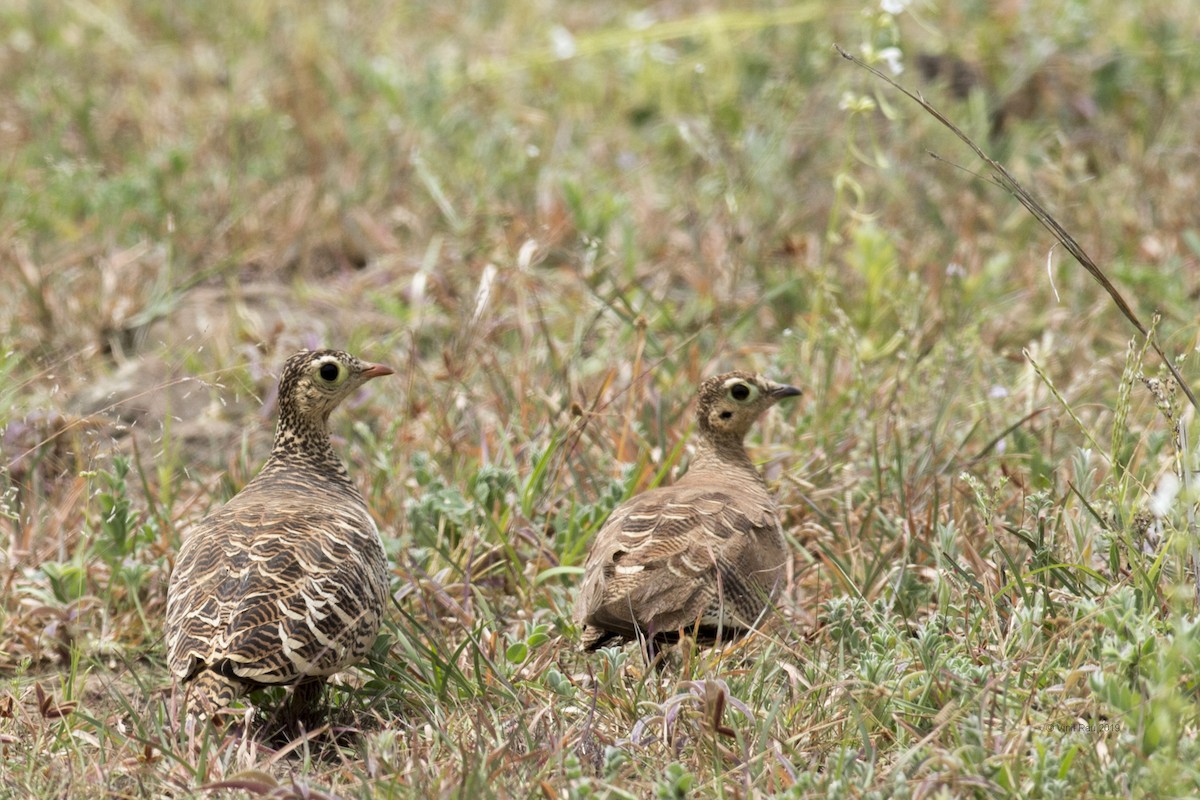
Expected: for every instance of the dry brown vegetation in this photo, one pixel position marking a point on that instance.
(553, 220)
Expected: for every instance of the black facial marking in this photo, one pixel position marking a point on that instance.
(726, 414)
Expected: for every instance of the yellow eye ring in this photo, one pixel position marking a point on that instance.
(331, 372)
(741, 392)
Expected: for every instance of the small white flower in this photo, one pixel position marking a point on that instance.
(562, 42)
(955, 270)
(1164, 495)
(997, 392)
(641, 20)
(891, 56)
(894, 7)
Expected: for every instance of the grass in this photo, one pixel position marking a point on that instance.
(553, 220)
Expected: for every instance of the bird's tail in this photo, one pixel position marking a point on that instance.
(209, 692)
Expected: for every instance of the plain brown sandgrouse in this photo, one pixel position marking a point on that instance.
(705, 554)
(287, 582)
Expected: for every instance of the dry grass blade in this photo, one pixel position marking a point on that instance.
(1013, 187)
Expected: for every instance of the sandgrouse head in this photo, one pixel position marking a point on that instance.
(314, 382)
(729, 404)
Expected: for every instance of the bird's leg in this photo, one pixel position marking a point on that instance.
(654, 652)
(302, 708)
(645, 640)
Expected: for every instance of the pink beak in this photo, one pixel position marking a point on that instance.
(377, 371)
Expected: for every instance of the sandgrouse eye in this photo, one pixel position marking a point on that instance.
(287, 582)
(705, 555)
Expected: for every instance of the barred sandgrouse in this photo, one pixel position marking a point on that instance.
(702, 556)
(287, 582)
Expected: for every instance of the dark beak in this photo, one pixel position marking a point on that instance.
(782, 390)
